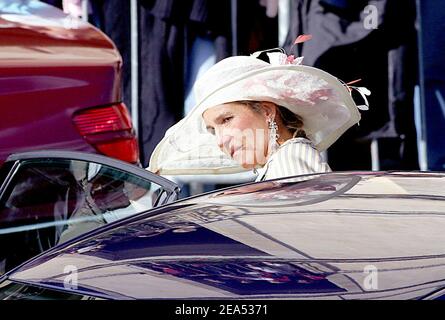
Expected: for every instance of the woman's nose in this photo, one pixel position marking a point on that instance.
(223, 140)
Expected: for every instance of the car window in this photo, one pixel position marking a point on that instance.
(50, 201)
(5, 168)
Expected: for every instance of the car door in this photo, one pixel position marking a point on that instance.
(50, 197)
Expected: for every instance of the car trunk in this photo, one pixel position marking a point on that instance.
(51, 66)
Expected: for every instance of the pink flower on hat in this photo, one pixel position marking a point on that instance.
(279, 59)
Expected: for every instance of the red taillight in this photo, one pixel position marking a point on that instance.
(104, 119)
(109, 130)
(126, 149)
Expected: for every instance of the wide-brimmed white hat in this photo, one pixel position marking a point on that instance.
(322, 101)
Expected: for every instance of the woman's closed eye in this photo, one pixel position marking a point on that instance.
(226, 119)
(220, 121)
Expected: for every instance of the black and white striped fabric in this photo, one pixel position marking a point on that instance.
(296, 156)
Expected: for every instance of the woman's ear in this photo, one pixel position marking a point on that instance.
(269, 109)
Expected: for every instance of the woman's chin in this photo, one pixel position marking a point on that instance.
(247, 161)
(247, 166)
(242, 160)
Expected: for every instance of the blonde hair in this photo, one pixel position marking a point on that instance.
(292, 121)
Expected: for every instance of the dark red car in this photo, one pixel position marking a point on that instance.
(59, 85)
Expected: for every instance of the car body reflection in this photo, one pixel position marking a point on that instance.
(315, 240)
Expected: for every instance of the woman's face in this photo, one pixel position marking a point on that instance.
(241, 132)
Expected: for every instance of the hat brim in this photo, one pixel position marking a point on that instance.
(320, 99)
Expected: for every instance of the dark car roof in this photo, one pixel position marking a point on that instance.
(324, 235)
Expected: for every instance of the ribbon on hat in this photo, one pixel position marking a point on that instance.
(281, 58)
(363, 91)
(278, 59)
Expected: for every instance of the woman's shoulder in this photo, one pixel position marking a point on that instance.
(297, 140)
(296, 156)
(295, 150)
(294, 144)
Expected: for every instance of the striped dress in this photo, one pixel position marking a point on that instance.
(296, 156)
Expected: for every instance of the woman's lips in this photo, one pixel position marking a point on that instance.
(233, 150)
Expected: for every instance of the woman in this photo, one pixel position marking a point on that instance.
(275, 117)
(278, 142)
